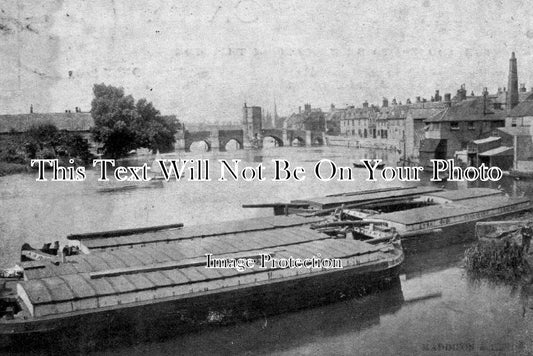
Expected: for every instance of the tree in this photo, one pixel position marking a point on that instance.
(46, 141)
(154, 131)
(123, 125)
(114, 115)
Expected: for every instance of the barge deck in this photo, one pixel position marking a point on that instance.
(169, 286)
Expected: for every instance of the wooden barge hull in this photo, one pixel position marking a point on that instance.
(446, 234)
(171, 316)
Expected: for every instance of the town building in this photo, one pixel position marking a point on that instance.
(396, 126)
(517, 136)
(490, 129)
(333, 121)
(451, 130)
(309, 119)
(78, 122)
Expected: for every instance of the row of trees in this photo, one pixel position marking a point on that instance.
(122, 125)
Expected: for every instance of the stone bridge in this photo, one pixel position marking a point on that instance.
(214, 138)
(285, 137)
(217, 139)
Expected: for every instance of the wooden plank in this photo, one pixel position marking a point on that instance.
(122, 232)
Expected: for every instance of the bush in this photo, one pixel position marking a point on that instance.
(502, 260)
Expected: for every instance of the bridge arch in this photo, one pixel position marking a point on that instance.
(297, 141)
(199, 142)
(318, 141)
(232, 140)
(277, 140)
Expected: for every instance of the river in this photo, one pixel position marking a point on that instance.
(434, 308)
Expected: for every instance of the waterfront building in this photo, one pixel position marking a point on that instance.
(489, 129)
(415, 126)
(396, 126)
(75, 122)
(78, 122)
(451, 130)
(333, 121)
(309, 119)
(517, 136)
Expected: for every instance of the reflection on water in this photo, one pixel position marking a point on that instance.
(433, 309)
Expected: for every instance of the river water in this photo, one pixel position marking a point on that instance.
(434, 309)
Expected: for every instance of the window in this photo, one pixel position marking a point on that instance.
(513, 122)
(471, 125)
(454, 125)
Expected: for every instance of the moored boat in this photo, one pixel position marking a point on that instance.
(172, 287)
(442, 218)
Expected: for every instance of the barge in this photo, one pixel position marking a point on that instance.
(437, 219)
(423, 217)
(168, 287)
(324, 205)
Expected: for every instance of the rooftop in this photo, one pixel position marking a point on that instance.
(76, 121)
(486, 140)
(515, 131)
(472, 109)
(498, 151)
(525, 108)
(449, 210)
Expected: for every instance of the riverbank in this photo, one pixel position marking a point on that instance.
(7, 168)
(12, 159)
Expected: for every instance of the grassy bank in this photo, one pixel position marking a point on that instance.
(7, 168)
(500, 260)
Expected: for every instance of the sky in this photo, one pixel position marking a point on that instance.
(201, 60)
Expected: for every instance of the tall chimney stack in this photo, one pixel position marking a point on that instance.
(512, 86)
(448, 99)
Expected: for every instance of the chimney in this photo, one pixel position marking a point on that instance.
(448, 99)
(31, 108)
(365, 104)
(437, 96)
(523, 88)
(512, 94)
(485, 94)
(385, 103)
(461, 93)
